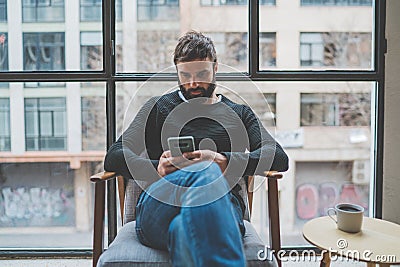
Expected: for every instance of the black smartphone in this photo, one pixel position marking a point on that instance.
(180, 144)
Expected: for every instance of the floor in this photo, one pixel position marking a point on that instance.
(88, 262)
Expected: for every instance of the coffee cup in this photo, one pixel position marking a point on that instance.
(349, 217)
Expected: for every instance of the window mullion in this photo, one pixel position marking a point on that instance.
(253, 37)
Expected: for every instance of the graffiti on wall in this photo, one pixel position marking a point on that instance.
(35, 206)
(313, 200)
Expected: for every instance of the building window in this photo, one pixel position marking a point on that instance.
(343, 109)
(92, 51)
(234, 2)
(267, 50)
(91, 10)
(336, 2)
(5, 140)
(158, 10)
(93, 121)
(44, 51)
(42, 10)
(45, 124)
(336, 49)
(311, 49)
(3, 10)
(3, 52)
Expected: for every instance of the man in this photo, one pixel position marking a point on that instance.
(191, 205)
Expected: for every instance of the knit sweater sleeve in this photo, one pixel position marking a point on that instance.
(127, 156)
(265, 153)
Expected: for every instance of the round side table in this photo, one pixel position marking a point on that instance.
(377, 243)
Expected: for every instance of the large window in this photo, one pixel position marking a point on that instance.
(314, 80)
(44, 51)
(336, 2)
(5, 138)
(158, 10)
(45, 124)
(91, 10)
(43, 10)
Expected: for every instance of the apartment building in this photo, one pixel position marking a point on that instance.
(53, 134)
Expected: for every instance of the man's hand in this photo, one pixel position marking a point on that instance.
(208, 155)
(168, 164)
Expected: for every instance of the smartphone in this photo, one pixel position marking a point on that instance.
(180, 144)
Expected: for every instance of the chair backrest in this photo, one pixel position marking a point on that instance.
(129, 191)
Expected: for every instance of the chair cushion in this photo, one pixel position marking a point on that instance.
(126, 250)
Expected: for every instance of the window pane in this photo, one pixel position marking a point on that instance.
(310, 35)
(328, 165)
(148, 45)
(52, 146)
(42, 11)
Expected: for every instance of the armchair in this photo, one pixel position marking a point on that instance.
(126, 250)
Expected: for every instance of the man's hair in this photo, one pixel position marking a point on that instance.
(194, 45)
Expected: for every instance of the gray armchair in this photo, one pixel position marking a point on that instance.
(126, 250)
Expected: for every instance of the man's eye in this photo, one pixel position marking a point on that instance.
(202, 74)
(186, 75)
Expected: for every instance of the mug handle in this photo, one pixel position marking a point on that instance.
(330, 215)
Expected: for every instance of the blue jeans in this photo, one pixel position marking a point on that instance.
(194, 228)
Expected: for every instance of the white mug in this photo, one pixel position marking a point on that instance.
(349, 217)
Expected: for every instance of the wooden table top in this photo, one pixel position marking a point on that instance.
(378, 241)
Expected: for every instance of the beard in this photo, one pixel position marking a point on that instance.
(198, 91)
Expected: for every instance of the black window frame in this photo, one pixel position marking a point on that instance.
(110, 77)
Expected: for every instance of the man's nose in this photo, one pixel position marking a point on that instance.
(193, 81)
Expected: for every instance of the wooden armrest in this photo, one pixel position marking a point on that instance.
(102, 176)
(273, 174)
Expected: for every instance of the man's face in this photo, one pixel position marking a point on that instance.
(197, 78)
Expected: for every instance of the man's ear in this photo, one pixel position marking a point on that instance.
(215, 67)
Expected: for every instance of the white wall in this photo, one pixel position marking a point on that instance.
(391, 175)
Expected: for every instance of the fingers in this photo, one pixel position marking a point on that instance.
(166, 154)
(202, 155)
